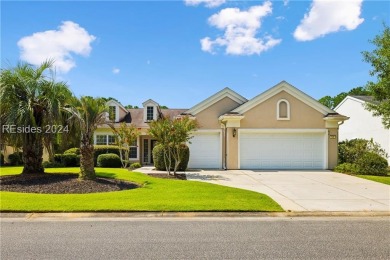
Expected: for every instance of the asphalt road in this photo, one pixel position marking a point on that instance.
(197, 238)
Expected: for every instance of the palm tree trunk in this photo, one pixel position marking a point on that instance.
(87, 169)
(32, 154)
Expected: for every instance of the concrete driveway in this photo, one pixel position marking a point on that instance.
(305, 190)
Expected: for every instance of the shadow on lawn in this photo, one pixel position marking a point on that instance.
(208, 177)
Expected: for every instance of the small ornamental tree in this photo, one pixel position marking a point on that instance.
(171, 134)
(124, 136)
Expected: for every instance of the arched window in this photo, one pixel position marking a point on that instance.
(283, 110)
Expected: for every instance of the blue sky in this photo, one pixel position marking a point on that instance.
(181, 52)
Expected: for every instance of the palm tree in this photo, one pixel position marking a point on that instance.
(88, 112)
(31, 100)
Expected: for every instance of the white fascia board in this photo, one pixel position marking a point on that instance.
(348, 98)
(150, 102)
(226, 92)
(112, 102)
(283, 86)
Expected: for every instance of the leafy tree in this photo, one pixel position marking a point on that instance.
(88, 113)
(124, 136)
(31, 99)
(333, 102)
(131, 106)
(171, 134)
(379, 59)
(109, 98)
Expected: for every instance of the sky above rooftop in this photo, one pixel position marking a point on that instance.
(180, 52)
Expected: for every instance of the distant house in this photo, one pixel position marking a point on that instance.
(281, 128)
(362, 124)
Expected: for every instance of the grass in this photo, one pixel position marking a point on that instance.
(381, 179)
(154, 195)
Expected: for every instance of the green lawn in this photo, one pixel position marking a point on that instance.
(154, 195)
(381, 179)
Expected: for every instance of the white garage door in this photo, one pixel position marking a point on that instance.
(205, 151)
(282, 151)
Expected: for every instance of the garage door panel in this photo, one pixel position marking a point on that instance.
(205, 151)
(282, 151)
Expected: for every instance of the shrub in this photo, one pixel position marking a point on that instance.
(372, 164)
(1, 159)
(158, 158)
(15, 158)
(351, 150)
(135, 165)
(362, 156)
(74, 150)
(109, 160)
(346, 168)
(52, 164)
(67, 160)
(105, 149)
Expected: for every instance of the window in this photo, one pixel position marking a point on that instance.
(283, 110)
(133, 151)
(149, 113)
(111, 140)
(101, 139)
(112, 113)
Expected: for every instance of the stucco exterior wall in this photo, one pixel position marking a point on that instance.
(332, 148)
(264, 115)
(232, 150)
(362, 124)
(208, 118)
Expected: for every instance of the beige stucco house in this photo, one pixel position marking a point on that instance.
(281, 128)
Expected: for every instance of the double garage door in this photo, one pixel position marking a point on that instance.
(282, 150)
(259, 150)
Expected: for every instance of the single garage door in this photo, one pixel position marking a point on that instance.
(282, 150)
(205, 151)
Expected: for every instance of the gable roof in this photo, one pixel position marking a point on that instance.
(226, 92)
(150, 101)
(360, 99)
(283, 86)
(111, 101)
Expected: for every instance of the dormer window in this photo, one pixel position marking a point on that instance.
(149, 113)
(151, 110)
(112, 113)
(283, 110)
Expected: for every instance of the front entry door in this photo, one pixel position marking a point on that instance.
(148, 145)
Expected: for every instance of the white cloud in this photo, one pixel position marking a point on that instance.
(59, 45)
(327, 16)
(285, 2)
(240, 29)
(116, 70)
(207, 3)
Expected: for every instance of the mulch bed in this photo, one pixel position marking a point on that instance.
(65, 183)
(180, 176)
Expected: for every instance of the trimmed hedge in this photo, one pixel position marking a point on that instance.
(135, 165)
(15, 159)
(67, 160)
(48, 164)
(105, 149)
(98, 150)
(158, 158)
(109, 160)
(74, 150)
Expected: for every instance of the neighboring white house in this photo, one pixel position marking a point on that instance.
(361, 123)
